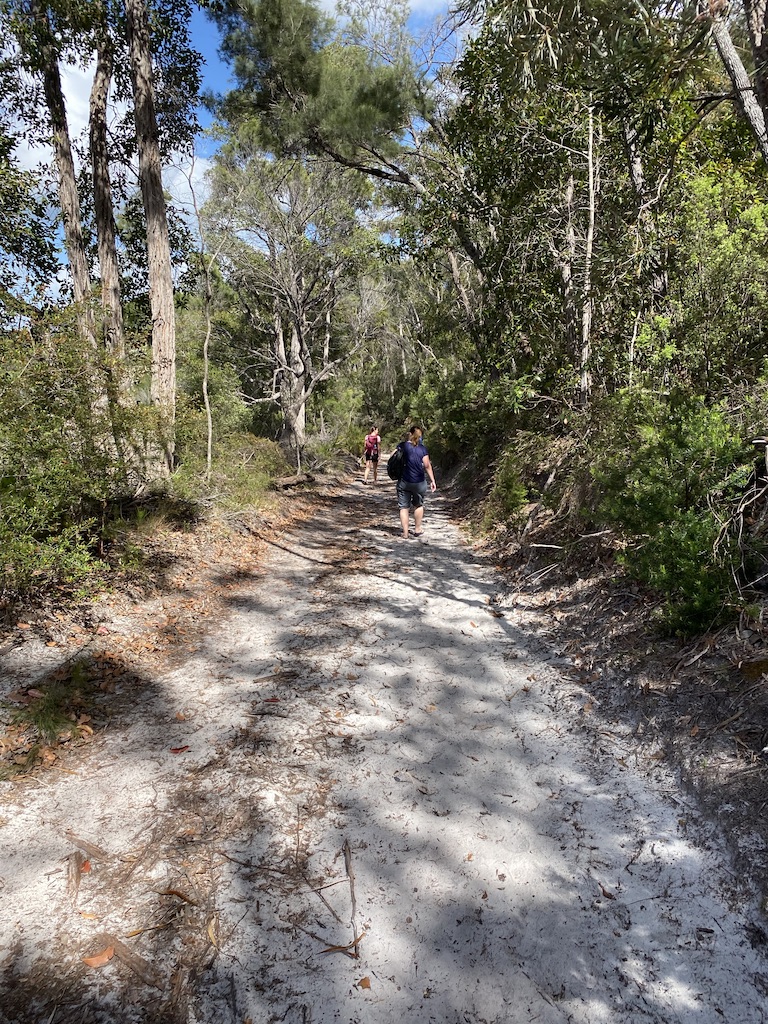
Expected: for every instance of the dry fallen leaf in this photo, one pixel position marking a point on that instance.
(473, 624)
(100, 959)
(23, 625)
(469, 856)
(85, 867)
(212, 933)
(89, 917)
(364, 982)
(178, 750)
(180, 716)
(695, 730)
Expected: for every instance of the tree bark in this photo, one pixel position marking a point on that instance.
(69, 199)
(751, 100)
(646, 224)
(566, 262)
(114, 338)
(585, 387)
(163, 385)
(756, 12)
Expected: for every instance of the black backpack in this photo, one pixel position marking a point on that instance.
(395, 463)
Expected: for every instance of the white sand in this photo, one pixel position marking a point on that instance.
(512, 857)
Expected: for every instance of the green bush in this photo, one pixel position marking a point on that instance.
(468, 419)
(508, 493)
(59, 458)
(243, 467)
(679, 562)
(660, 466)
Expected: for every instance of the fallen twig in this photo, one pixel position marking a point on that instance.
(140, 967)
(727, 721)
(318, 893)
(355, 955)
(351, 876)
(90, 848)
(178, 893)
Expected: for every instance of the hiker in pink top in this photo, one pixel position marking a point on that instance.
(371, 453)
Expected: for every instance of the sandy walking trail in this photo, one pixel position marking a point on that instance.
(387, 802)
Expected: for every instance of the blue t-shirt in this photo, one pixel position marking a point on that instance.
(413, 467)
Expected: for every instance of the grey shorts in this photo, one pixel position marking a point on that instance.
(411, 495)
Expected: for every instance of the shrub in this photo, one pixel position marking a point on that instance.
(59, 460)
(508, 493)
(660, 466)
(243, 467)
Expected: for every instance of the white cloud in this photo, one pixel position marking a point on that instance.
(76, 83)
(185, 182)
(428, 7)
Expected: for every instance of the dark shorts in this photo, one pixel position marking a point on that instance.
(371, 456)
(411, 495)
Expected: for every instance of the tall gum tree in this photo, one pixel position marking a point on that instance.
(163, 385)
(289, 243)
(40, 53)
(106, 233)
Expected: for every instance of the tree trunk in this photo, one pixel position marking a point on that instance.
(114, 338)
(207, 367)
(756, 11)
(65, 166)
(585, 387)
(292, 390)
(469, 306)
(566, 271)
(646, 224)
(752, 106)
(296, 407)
(163, 386)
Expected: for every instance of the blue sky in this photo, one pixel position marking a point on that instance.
(205, 38)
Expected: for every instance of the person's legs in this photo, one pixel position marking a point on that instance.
(375, 470)
(404, 521)
(404, 504)
(418, 515)
(367, 469)
(418, 506)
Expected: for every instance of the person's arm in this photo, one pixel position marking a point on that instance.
(430, 472)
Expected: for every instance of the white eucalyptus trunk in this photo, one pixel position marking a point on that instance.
(69, 200)
(106, 234)
(163, 384)
(753, 109)
(585, 385)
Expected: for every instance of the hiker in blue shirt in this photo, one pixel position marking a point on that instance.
(412, 485)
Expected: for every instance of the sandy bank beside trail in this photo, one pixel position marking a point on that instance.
(392, 805)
